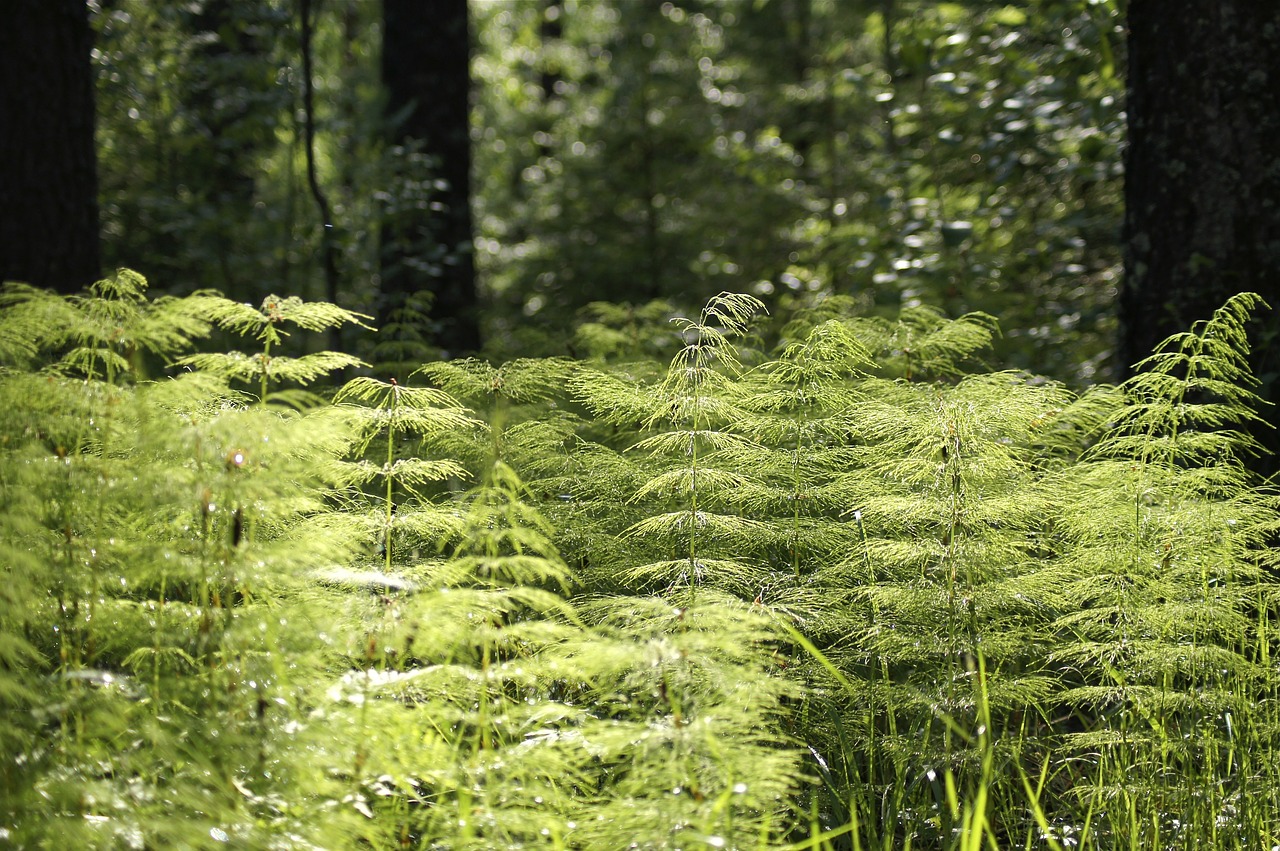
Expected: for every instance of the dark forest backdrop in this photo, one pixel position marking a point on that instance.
(484, 171)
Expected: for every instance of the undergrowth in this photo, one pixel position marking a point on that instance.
(852, 590)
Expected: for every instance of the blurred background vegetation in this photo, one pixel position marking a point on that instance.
(962, 155)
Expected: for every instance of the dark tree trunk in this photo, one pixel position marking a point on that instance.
(1202, 189)
(48, 171)
(1202, 185)
(427, 248)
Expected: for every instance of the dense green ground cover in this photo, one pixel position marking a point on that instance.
(699, 589)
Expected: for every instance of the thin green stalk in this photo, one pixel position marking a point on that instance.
(795, 507)
(266, 362)
(695, 420)
(389, 503)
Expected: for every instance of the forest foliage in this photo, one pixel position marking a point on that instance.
(963, 155)
(822, 582)
(784, 508)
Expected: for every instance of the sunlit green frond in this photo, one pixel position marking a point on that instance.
(238, 366)
(830, 353)
(732, 311)
(678, 524)
(522, 380)
(923, 342)
(737, 576)
(684, 482)
(31, 321)
(378, 393)
(616, 398)
(91, 362)
(682, 443)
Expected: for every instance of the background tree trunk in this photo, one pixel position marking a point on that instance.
(426, 56)
(1202, 190)
(48, 174)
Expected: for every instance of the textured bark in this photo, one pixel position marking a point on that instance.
(426, 55)
(1202, 169)
(48, 171)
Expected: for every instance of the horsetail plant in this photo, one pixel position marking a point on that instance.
(265, 324)
(163, 542)
(1169, 576)
(691, 413)
(854, 594)
(387, 412)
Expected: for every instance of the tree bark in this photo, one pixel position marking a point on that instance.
(1202, 185)
(48, 167)
(1202, 175)
(426, 55)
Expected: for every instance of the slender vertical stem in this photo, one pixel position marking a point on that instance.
(693, 464)
(390, 479)
(795, 506)
(266, 361)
